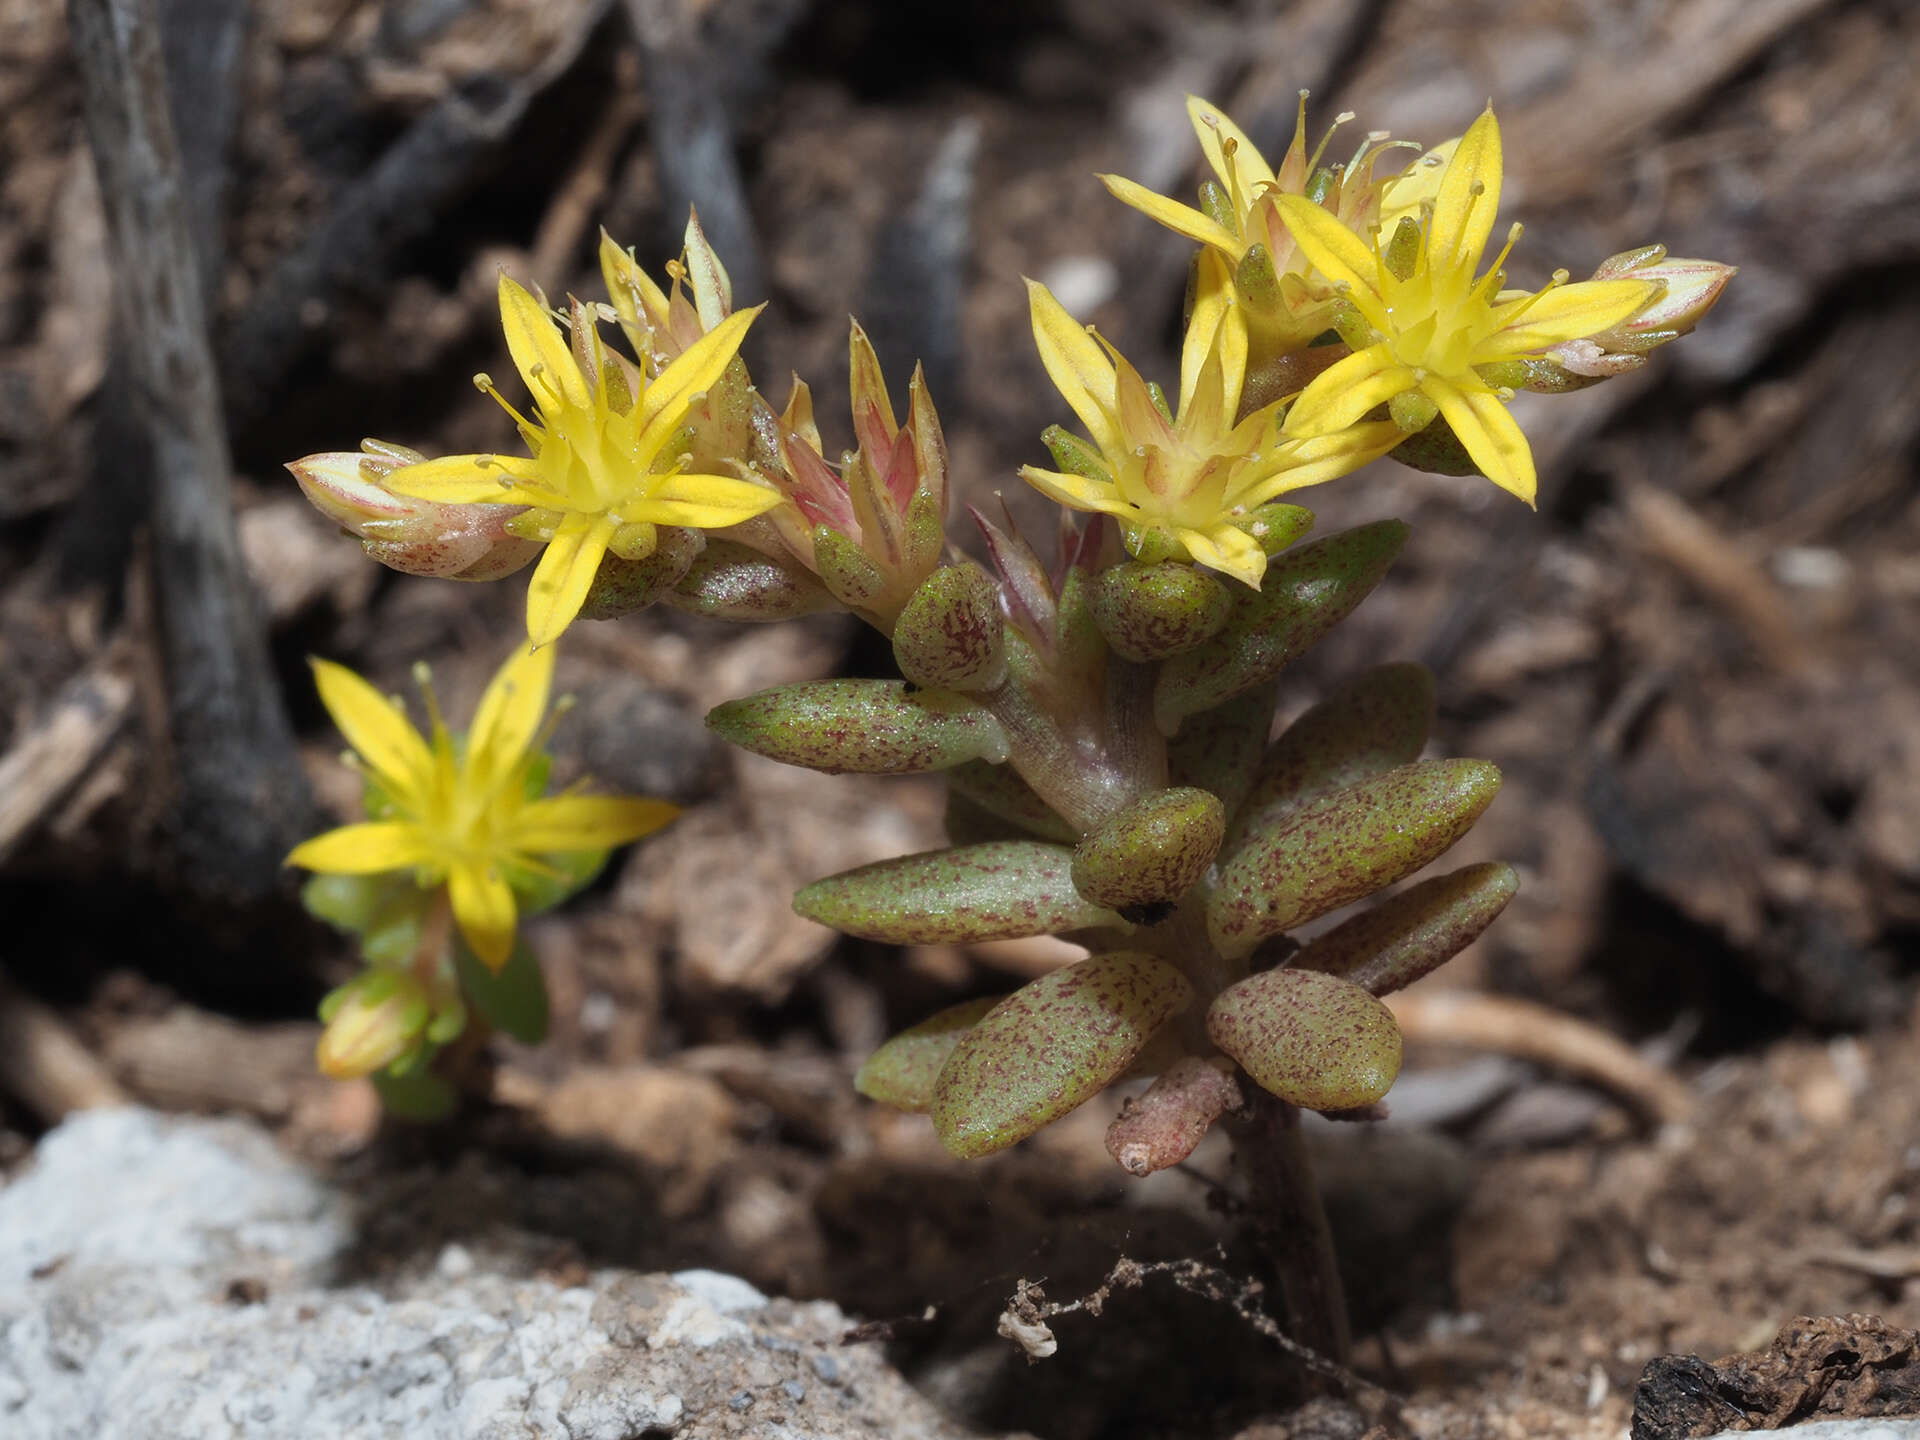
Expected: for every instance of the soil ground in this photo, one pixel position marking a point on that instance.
(1695, 665)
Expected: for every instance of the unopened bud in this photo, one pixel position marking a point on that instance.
(415, 537)
(1687, 290)
(371, 1022)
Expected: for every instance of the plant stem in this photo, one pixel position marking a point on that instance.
(1290, 1223)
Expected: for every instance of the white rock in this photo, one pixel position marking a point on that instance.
(119, 1244)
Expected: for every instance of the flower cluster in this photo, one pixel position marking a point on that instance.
(1104, 721)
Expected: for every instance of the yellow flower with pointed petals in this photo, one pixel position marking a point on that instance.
(1287, 302)
(461, 815)
(1194, 476)
(607, 453)
(1426, 333)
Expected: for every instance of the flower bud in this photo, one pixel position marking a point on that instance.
(1690, 288)
(371, 1022)
(415, 537)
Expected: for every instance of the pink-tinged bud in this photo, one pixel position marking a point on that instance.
(371, 1022)
(415, 537)
(1690, 288)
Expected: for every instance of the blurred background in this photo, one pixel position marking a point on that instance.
(1696, 663)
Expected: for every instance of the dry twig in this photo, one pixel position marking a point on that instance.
(63, 744)
(42, 1064)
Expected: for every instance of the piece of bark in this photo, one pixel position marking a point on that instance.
(49, 760)
(43, 1065)
(241, 801)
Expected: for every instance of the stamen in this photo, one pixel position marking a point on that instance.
(483, 382)
(1490, 282)
(1313, 160)
(543, 376)
(423, 677)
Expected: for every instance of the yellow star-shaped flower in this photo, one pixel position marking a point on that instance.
(607, 458)
(1427, 331)
(462, 815)
(1197, 475)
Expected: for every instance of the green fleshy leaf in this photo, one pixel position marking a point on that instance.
(1050, 1046)
(731, 581)
(999, 790)
(1148, 612)
(1375, 722)
(419, 1096)
(1343, 847)
(869, 727)
(950, 634)
(1316, 1041)
(573, 872)
(1218, 749)
(1150, 853)
(1305, 593)
(1415, 932)
(1003, 890)
(620, 587)
(1436, 450)
(901, 1072)
(514, 1001)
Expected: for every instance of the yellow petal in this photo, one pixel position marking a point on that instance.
(1247, 173)
(364, 849)
(702, 502)
(561, 824)
(472, 480)
(1419, 182)
(694, 370)
(1468, 198)
(636, 299)
(1076, 492)
(540, 353)
(1079, 368)
(560, 581)
(1337, 253)
(1566, 312)
(1218, 329)
(1340, 395)
(509, 713)
(1182, 219)
(1228, 549)
(1491, 435)
(1324, 457)
(375, 727)
(483, 908)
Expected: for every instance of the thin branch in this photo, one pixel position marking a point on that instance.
(242, 800)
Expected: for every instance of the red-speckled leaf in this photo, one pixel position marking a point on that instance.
(902, 1071)
(1305, 593)
(1343, 847)
(1314, 1040)
(951, 634)
(1415, 932)
(870, 727)
(998, 891)
(999, 790)
(1373, 723)
(1050, 1046)
(730, 581)
(1152, 851)
(1218, 749)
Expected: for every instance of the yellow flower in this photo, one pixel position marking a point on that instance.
(608, 448)
(1288, 303)
(1195, 476)
(462, 815)
(1425, 331)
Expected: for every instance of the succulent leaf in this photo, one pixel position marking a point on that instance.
(1150, 853)
(1219, 749)
(1375, 722)
(1315, 1040)
(1051, 1046)
(1002, 890)
(902, 1071)
(1306, 592)
(1343, 847)
(1414, 932)
(868, 727)
(950, 634)
(731, 581)
(999, 790)
(1149, 612)
(620, 587)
